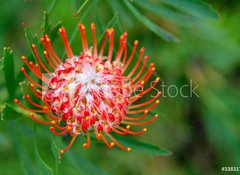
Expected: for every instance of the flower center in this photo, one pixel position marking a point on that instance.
(89, 93)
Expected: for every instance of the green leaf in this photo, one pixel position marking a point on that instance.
(12, 112)
(81, 7)
(111, 23)
(195, 7)
(43, 167)
(55, 149)
(23, 153)
(117, 7)
(142, 147)
(1, 63)
(8, 112)
(47, 26)
(8, 68)
(55, 31)
(81, 164)
(166, 13)
(31, 39)
(55, 152)
(34, 40)
(149, 24)
(53, 4)
(27, 90)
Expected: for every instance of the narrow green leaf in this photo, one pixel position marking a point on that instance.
(195, 7)
(142, 147)
(54, 149)
(55, 31)
(166, 13)
(53, 4)
(55, 152)
(1, 63)
(111, 23)
(81, 164)
(82, 17)
(8, 68)
(12, 112)
(8, 112)
(31, 39)
(25, 158)
(47, 25)
(117, 7)
(149, 24)
(43, 167)
(81, 7)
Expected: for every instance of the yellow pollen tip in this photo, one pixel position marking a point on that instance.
(87, 118)
(136, 42)
(60, 30)
(99, 135)
(157, 79)
(142, 82)
(129, 149)
(157, 101)
(31, 114)
(128, 126)
(84, 145)
(61, 151)
(51, 128)
(53, 122)
(45, 108)
(45, 52)
(145, 129)
(112, 144)
(156, 116)
(69, 128)
(31, 85)
(146, 111)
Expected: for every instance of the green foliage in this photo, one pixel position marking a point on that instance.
(42, 166)
(194, 7)
(143, 147)
(8, 112)
(8, 68)
(152, 26)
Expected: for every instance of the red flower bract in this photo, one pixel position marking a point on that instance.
(91, 92)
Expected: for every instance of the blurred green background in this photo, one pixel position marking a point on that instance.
(202, 132)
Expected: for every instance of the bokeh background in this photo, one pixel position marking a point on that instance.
(203, 50)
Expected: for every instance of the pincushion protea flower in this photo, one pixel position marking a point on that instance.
(91, 92)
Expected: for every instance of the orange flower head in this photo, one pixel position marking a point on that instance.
(91, 92)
